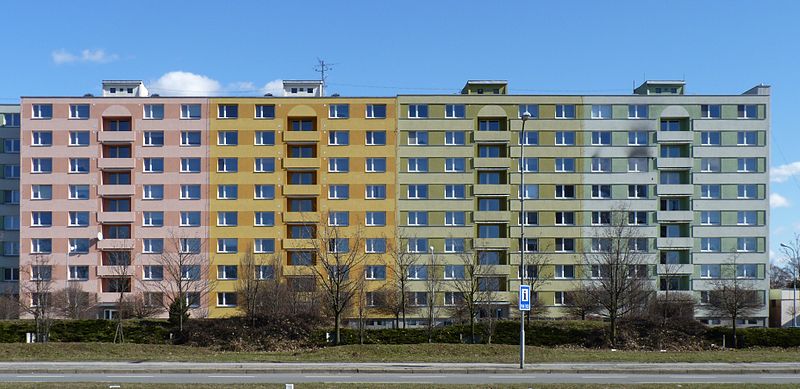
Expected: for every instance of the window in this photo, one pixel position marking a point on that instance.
(375, 218)
(42, 111)
(375, 192)
(41, 219)
(11, 249)
(265, 272)
(601, 165)
(417, 272)
(190, 111)
(601, 138)
(190, 165)
(190, 245)
(226, 299)
(565, 111)
(79, 192)
(565, 218)
(264, 219)
(417, 111)
(227, 192)
(455, 111)
(338, 165)
(41, 165)
(747, 111)
(11, 222)
(746, 138)
(227, 245)
(710, 138)
(264, 245)
(637, 218)
(39, 138)
(264, 192)
(190, 192)
(41, 246)
(79, 246)
(565, 245)
(489, 125)
(338, 138)
(455, 218)
(490, 204)
(454, 165)
(710, 218)
(532, 109)
(265, 111)
(565, 138)
(227, 218)
(338, 192)
(565, 191)
(601, 191)
(530, 245)
(710, 111)
(376, 111)
(454, 245)
(11, 171)
(418, 299)
(530, 191)
(40, 192)
(418, 165)
(637, 138)
(376, 138)
(601, 111)
(746, 165)
(601, 218)
(303, 125)
(637, 111)
(190, 218)
(529, 218)
(339, 218)
(227, 165)
(747, 191)
(417, 218)
(747, 218)
(375, 245)
(710, 191)
(417, 245)
(264, 165)
(339, 245)
(637, 191)
(79, 138)
(79, 165)
(264, 138)
(710, 271)
(454, 272)
(529, 138)
(301, 205)
(565, 165)
(153, 111)
(455, 138)
(78, 218)
(153, 272)
(153, 192)
(9, 119)
(375, 272)
(11, 196)
(748, 244)
(339, 111)
(746, 271)
(530, 164)
(565, 271)
(710, 245)
(376, 165)
(418, 191)
(153, 138)
(457, 191)
(153, 165)
(11, 146)
(417, 138)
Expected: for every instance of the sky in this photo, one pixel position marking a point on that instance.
(384, 48)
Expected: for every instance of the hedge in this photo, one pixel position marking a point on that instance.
(135, 331)
(756, 337)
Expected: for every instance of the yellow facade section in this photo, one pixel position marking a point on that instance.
(317, 110)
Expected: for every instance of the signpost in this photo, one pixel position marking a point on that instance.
(524, 305)
(524, 298)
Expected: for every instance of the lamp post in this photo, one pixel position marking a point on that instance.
(794, 283)
(522, 166)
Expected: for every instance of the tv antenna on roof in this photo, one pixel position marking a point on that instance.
(321, 68)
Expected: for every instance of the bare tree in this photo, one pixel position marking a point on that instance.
(339, 252)
(75, 303)
(37, 289)
(258, 273)
(791, 253)
(9, 306)
(402, 260)
(535, 258)
(581, 303)
(672, 302)
(468, 287)
(143, 305)
(780, 277)
(433, 284)
(121, 282)
(617, 264)
(187, 275)
(734, 296)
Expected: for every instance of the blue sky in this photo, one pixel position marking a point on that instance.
(386, 48)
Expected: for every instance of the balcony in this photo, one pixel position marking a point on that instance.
(114, 271)
(491, 163)
(491, 243)
(491, 189)
(301, 163)
(491, 216)
(674, 163)
(116, 136)
(674, 216)
(675, 269)
(115, 190)
(676, 242)
(115, 217)
(492, 136)
(115, 244)
(301, 136)
(301, 190)
(675, 137)
(675, 189)
(116, 163)
(300, 217)
(295, 244)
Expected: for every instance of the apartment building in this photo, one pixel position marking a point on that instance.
(9, 201)
(120, 176)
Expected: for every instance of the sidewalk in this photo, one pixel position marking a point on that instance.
(407, 368)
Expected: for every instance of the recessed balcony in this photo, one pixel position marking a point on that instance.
(115, 217)
(116, 190)
(116, 163)
(116, 136)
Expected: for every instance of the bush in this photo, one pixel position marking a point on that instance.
(136, 331)
(756, 337)
(239, 334)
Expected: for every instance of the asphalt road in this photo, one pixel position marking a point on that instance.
(443, 378)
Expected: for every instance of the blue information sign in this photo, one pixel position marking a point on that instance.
(524, 298)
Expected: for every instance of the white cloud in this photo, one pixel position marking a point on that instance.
(63, 56)
(782, 173)
(275, 87)
(179, 83)
(778, 201)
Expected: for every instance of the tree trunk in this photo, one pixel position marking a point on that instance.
(613, 320)
(336, 327)
(733, 323)
(472, 328)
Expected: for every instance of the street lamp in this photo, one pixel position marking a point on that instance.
(794, 283)
(522, 166)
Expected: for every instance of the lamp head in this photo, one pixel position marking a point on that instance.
(526, 115)
(785, 246)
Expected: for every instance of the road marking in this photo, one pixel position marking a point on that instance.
(512, 376)
(603, 376)
(328, 376)
(693, 376)
(130, 376)
(422, 376)
(231, 376)
(40, 376)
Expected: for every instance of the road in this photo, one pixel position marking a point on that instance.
(445, 378)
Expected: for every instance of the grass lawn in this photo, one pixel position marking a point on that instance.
(386, 386)
(375, 353)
